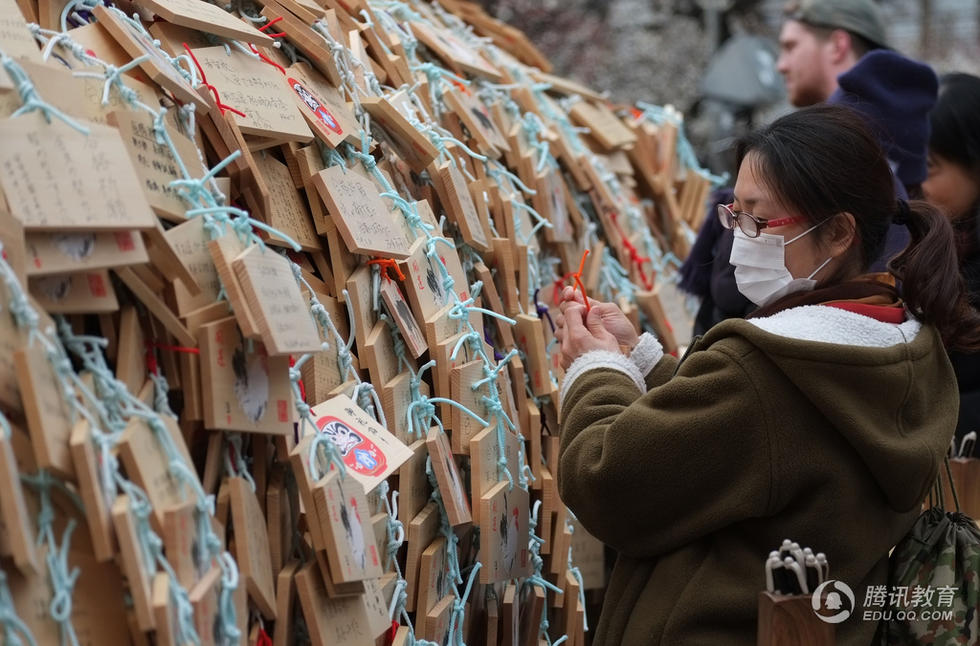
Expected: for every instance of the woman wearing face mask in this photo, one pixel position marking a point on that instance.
(823, 418)
(953, 184)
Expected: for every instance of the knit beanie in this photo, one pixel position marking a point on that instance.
(896, 94)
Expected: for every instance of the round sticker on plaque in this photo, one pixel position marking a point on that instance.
(357, 450)
(315, 106)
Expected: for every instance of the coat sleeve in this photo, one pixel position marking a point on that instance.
(647, 474)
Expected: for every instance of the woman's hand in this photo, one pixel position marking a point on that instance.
(610, 315)
(580, 332)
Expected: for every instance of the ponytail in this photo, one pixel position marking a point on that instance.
(932, 285)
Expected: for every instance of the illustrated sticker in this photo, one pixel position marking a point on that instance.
(315, 106)
(358, 451)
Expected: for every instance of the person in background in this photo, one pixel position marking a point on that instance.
(824, 416)
(831, 51)
(953, 184)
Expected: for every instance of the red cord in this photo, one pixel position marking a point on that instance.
(577, 276)
(204, 80)
(386, 264)
(635, 257)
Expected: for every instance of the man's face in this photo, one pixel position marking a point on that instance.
(804, 62)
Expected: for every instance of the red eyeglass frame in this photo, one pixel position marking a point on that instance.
(760, 224)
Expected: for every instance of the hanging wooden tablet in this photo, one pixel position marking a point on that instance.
(279, 519)
(413, 483)
(418, 151)
(16, 531)
(299, 461)
(285, 605)
(437, 621)
(224, 249)
(379, 354)
(510, 624)
(604, 125)
(434, 579)
(323, 107)
(396, 397)
(504, 511)
(154, 162)
(131, 356)
(485, 455)
(183, 545)
(151, 299)
(463, 379)
(255, 88)
(61, 253)
(208, 18)
(475, 116)
(164, 611)
(367, 224)
(288, 212)
(455, 196)
(134, 562)
(98, 613)
(531, 613)
(344, 621)
(342, 506)
(88, 470)
(49, 415)
(189, 241)
(86, 292)
(204, 600)
(244, 388)
(18, 42)
(369, 451)
(451, 485)
(158, 66)
(252, 547)
(147, 463)
(530, 337)
(404, 319)
(425, 288)
(455, 52)
(280, 310)
(309, 42)
(422, 530)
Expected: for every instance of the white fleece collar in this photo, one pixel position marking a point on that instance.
(827, 324)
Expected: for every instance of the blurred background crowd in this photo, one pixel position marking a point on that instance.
(715, 60)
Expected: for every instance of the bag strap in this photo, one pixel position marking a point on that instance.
(938, 495)
(952, 485)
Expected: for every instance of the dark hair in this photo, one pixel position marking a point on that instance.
(955, 120)
(824, 160)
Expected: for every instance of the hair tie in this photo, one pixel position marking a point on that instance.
(902, 213)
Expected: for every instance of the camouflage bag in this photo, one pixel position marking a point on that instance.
(940, 553)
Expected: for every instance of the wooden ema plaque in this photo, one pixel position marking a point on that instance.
(456, 197)
(16, 533)
(104, 194)
(365, 222)
(368, 450)
(343, 621)
(208, 18)
(447, 476)
(283, 315)
(484, 459)
(252, 547)
(323, 107)
(48, 413)
(158, 67)
(61, 253)
(463, 389)
(422, 530)
(504, 512)
(404, 319)
(256, 89)
(244, 388)
(342, 510)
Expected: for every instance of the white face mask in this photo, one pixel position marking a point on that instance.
(760, 267)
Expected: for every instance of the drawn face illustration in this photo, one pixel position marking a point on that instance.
(343, 436)
(251, 382)
(56, 288)
(76, 246)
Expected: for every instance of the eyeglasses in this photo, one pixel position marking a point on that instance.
(750, 225)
